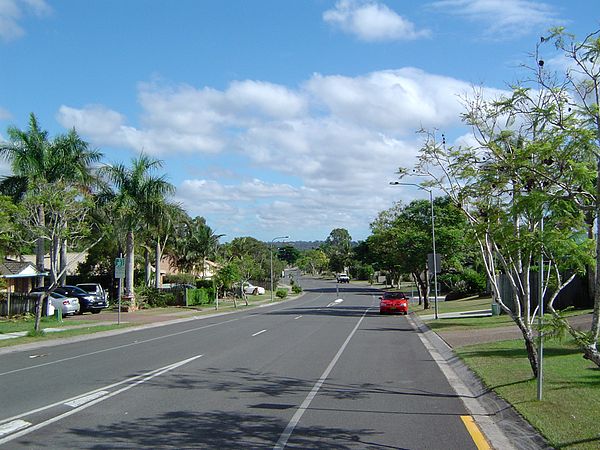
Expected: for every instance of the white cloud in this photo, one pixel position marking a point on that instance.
(320, 155)
(502, 18)
(372, 21)
(12, 13)
(403, 99)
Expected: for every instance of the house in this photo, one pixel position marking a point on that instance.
(20, 277)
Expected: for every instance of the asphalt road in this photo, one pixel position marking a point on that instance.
(312, 373)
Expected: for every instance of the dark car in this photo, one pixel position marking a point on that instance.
(393, 303)
(87, 302)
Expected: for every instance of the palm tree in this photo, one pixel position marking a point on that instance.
(36, 161)
(137, 190)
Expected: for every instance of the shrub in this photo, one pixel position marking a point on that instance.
(296, 289)
(153, 298)
(200, 296)
(281, 293)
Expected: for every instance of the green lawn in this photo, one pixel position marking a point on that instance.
(26, 324)
(466, 323)
(63, 334)
(569, 414)
(465, 304)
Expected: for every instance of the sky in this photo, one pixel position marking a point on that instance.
(271, 117)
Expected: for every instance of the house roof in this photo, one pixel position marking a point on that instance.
(17, 269)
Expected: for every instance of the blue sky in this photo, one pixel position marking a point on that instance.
(272, 117)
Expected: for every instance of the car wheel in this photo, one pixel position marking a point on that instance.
(95, 311)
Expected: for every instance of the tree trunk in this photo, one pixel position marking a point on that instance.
(532, 354)
(39, 303)
(148, 267)
(62, 268)
(40, 250)
(129, 267)
(157, 257)
(423, 290)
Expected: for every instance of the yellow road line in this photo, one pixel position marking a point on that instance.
(475, 432)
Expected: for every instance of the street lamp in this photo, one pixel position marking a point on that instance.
(271, 251)
(435, 299)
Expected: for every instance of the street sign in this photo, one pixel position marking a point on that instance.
(438, 262)
(119, 267)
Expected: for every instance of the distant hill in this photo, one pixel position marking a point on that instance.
(305, 245)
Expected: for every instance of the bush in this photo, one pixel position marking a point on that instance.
(153, 298)
(296, 289)
(281, 293)
(200, 296)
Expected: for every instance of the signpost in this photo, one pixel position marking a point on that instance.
(120, 274)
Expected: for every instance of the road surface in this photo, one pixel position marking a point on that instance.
(323, 371)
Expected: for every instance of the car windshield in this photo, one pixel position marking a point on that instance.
(394, 295)
(87, 287)
(73, 290)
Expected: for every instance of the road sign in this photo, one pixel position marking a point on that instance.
(119, 267)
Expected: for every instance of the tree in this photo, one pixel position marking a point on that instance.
(338, 247)
(35, 160)
(136, 190)
(313, 261)
(194, 242)
(65, 218)
(579, 89)
(402, 239)
(525, 171)
(288, 253)
(8, 227)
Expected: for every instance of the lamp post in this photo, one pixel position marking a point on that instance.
(271, 251)
(435, 299)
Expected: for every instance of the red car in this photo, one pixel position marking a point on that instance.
(393, 303)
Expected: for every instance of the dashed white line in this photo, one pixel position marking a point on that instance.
(289, 429)
(140, 380)
(260, 332)
(296, 318)
(85, 399)
(13, 426)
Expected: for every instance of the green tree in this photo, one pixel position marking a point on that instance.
(136, 190)
(194, 243)
(579, 89)
(36, 161)
(525, 171)
(338, 247)
(288, 253)
(313, 261)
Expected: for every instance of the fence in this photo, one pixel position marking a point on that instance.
(19, 304)
(575, 294)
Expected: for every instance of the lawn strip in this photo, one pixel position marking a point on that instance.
(568, 414)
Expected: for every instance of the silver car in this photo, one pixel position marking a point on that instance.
(67, 305)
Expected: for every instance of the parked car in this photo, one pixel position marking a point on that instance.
(94, 288)
(343, 278)
(87, 302)
(249, 288)
(393, 303)
(67, 305)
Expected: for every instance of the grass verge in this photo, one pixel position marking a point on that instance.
(26, 323)
(568, 414)
(63, 334)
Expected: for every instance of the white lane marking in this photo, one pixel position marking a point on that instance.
(87, 398)
(260, 332)
(296, 318)
(144, 378)
(13, 426)
(335, 302)
(289, 429)
(118, 347)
